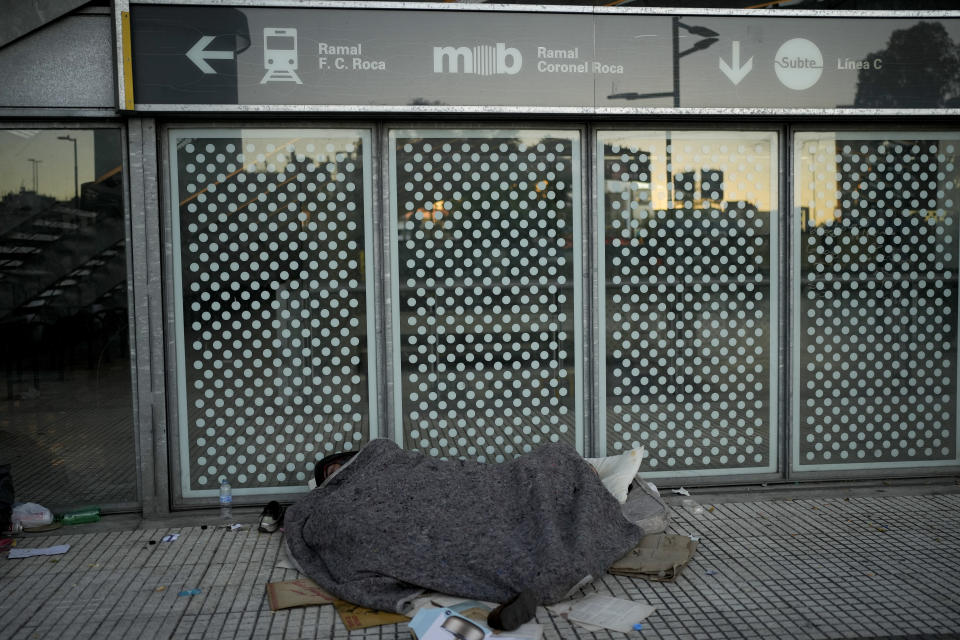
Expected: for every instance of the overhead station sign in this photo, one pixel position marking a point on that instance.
(317, 58)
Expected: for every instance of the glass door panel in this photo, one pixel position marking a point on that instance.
(271, 254)
(487, 301)
(66, 409)
(875, 312)
(688, 273)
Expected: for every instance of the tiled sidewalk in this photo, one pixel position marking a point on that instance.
(806, 568)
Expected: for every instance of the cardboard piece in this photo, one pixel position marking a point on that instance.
(356, 617)
(296, 593)
(660, 557)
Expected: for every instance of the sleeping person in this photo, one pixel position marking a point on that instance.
(386, 524)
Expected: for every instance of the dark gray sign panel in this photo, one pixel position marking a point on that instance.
(404, 59)
(789, 63)
(188, 55)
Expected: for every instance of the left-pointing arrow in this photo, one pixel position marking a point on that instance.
(199, 55)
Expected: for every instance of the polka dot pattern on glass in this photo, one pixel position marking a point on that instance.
(688, 299)
(878, 300)
(274, 304)
(486, 301)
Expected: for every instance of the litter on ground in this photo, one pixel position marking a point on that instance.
(597, 611)
(296, 593)
(356, 617)
(18, 552)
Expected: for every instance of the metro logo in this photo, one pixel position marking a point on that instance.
(481, 60)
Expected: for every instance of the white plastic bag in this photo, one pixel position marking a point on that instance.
(31, 514)
(617, 472)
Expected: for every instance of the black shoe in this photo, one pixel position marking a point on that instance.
(271, 518)
(514, 613)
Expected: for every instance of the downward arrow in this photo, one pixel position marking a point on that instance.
(199, 56)
(736, 73)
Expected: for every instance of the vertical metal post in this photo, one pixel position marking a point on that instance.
(145, 291)
(676, 60)
(76, 186)
(675, 23)
(36, 173)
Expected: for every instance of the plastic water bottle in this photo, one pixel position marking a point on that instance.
(692, 506)
(80, 516)
(226, 499)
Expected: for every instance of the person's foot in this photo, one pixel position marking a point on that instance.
(513, 613)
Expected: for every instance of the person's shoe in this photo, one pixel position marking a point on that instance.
(513, 613)
(271, 518)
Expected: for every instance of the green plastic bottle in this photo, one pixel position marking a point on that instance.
(81, 516)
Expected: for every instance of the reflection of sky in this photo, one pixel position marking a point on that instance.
(55, 169)
(746, 159)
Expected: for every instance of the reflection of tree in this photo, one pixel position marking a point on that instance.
(920, 68)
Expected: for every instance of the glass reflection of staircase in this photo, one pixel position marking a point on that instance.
(43, 243)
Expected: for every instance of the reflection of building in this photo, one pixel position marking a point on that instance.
(697, 188)
(711, 185)
(627, 187)
(887, 213)
(684, 189)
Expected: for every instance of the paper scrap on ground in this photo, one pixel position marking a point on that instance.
(562, 610)
(357, 617)
(681, 491)
(296, 593)
(434, 600)
(466, 620)
(442, 624)
(478, 611)
(284, 561)
(611, 613)
(42, 551)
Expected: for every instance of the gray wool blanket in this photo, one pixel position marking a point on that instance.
(393, 523)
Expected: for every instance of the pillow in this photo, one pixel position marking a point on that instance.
(617, 472)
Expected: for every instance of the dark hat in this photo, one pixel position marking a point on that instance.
(320, 469)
